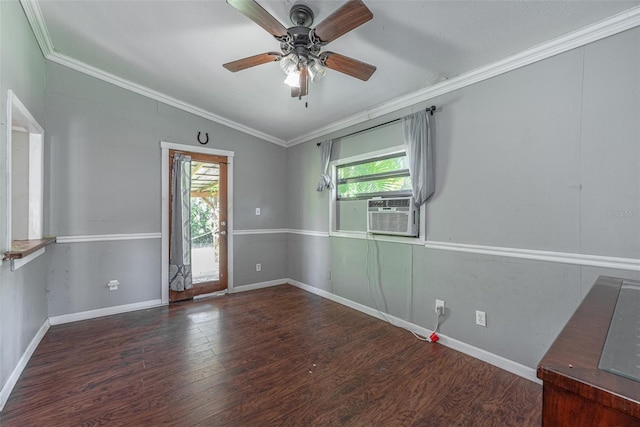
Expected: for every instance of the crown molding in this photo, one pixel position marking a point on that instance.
(589, 34)
(72, 63)
(36, 20)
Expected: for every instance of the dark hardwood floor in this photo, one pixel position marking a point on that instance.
(272, 357)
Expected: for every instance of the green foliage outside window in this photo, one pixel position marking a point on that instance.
(202, 222)
(373, 167)
(376, 177)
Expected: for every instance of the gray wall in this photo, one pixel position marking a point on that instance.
(105, 178)
(23, 303)
(544, 157)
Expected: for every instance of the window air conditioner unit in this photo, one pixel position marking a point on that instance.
(397, 216)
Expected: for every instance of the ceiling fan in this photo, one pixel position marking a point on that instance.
(301, 57)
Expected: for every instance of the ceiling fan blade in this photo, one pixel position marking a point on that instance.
(352, 67)
(303, 90)
(252, 61)
(257, 14)
(350, 15)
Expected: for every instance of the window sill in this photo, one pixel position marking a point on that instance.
(377, 237)
(23, 248)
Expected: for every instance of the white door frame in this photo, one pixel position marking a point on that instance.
(166, 146)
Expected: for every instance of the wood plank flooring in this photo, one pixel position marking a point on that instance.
(272, 357)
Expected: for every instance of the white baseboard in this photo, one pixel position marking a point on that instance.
(100, 312)
(7, 388)
(478, 353)
(259, 285)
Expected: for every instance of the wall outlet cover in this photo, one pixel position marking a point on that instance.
(481, 318)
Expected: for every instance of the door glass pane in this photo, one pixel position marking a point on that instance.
(205, 223)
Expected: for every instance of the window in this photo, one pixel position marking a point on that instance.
(374, 177)
(380, 173)
(25, 185)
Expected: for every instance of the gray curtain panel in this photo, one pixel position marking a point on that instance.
(325, 156)
(180, 251)
(416, 131)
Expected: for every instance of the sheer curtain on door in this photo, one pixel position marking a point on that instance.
(180, 244)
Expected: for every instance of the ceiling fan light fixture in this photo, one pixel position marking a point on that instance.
(293, 79)
(316, 71)
(289, 64)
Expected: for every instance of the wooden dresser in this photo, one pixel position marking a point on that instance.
(575, 391)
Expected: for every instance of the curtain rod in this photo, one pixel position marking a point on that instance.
(429, 110)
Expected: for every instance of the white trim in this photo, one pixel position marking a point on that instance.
(254, 231)
(333, 195)
(370, 155)
(478, 353)
(363, 235)
(536, 255)
(196, 149)
(101, 312)
(8, 386)
(22, 118)
(308, 232)
(229, 222)
(36, 186)
(36, 20)
(259, 285)
(589, 34)
(107, 237)
(613, 25)
(158, 96)
(630, 264)
(165, 147)
(260, 231)
(164, 224)
(21, 262)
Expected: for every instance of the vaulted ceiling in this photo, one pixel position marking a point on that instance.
(174, 51)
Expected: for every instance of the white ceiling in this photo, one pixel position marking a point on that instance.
(177, 48)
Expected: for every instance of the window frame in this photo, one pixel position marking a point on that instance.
(373, 177)
(333, 200)
(19, 118)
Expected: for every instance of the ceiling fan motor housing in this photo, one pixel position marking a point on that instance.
(301, 15)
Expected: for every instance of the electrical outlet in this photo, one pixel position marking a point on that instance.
(113, 285)
(257, 211)
(439, 303)
(258, 267)
(481, 318)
